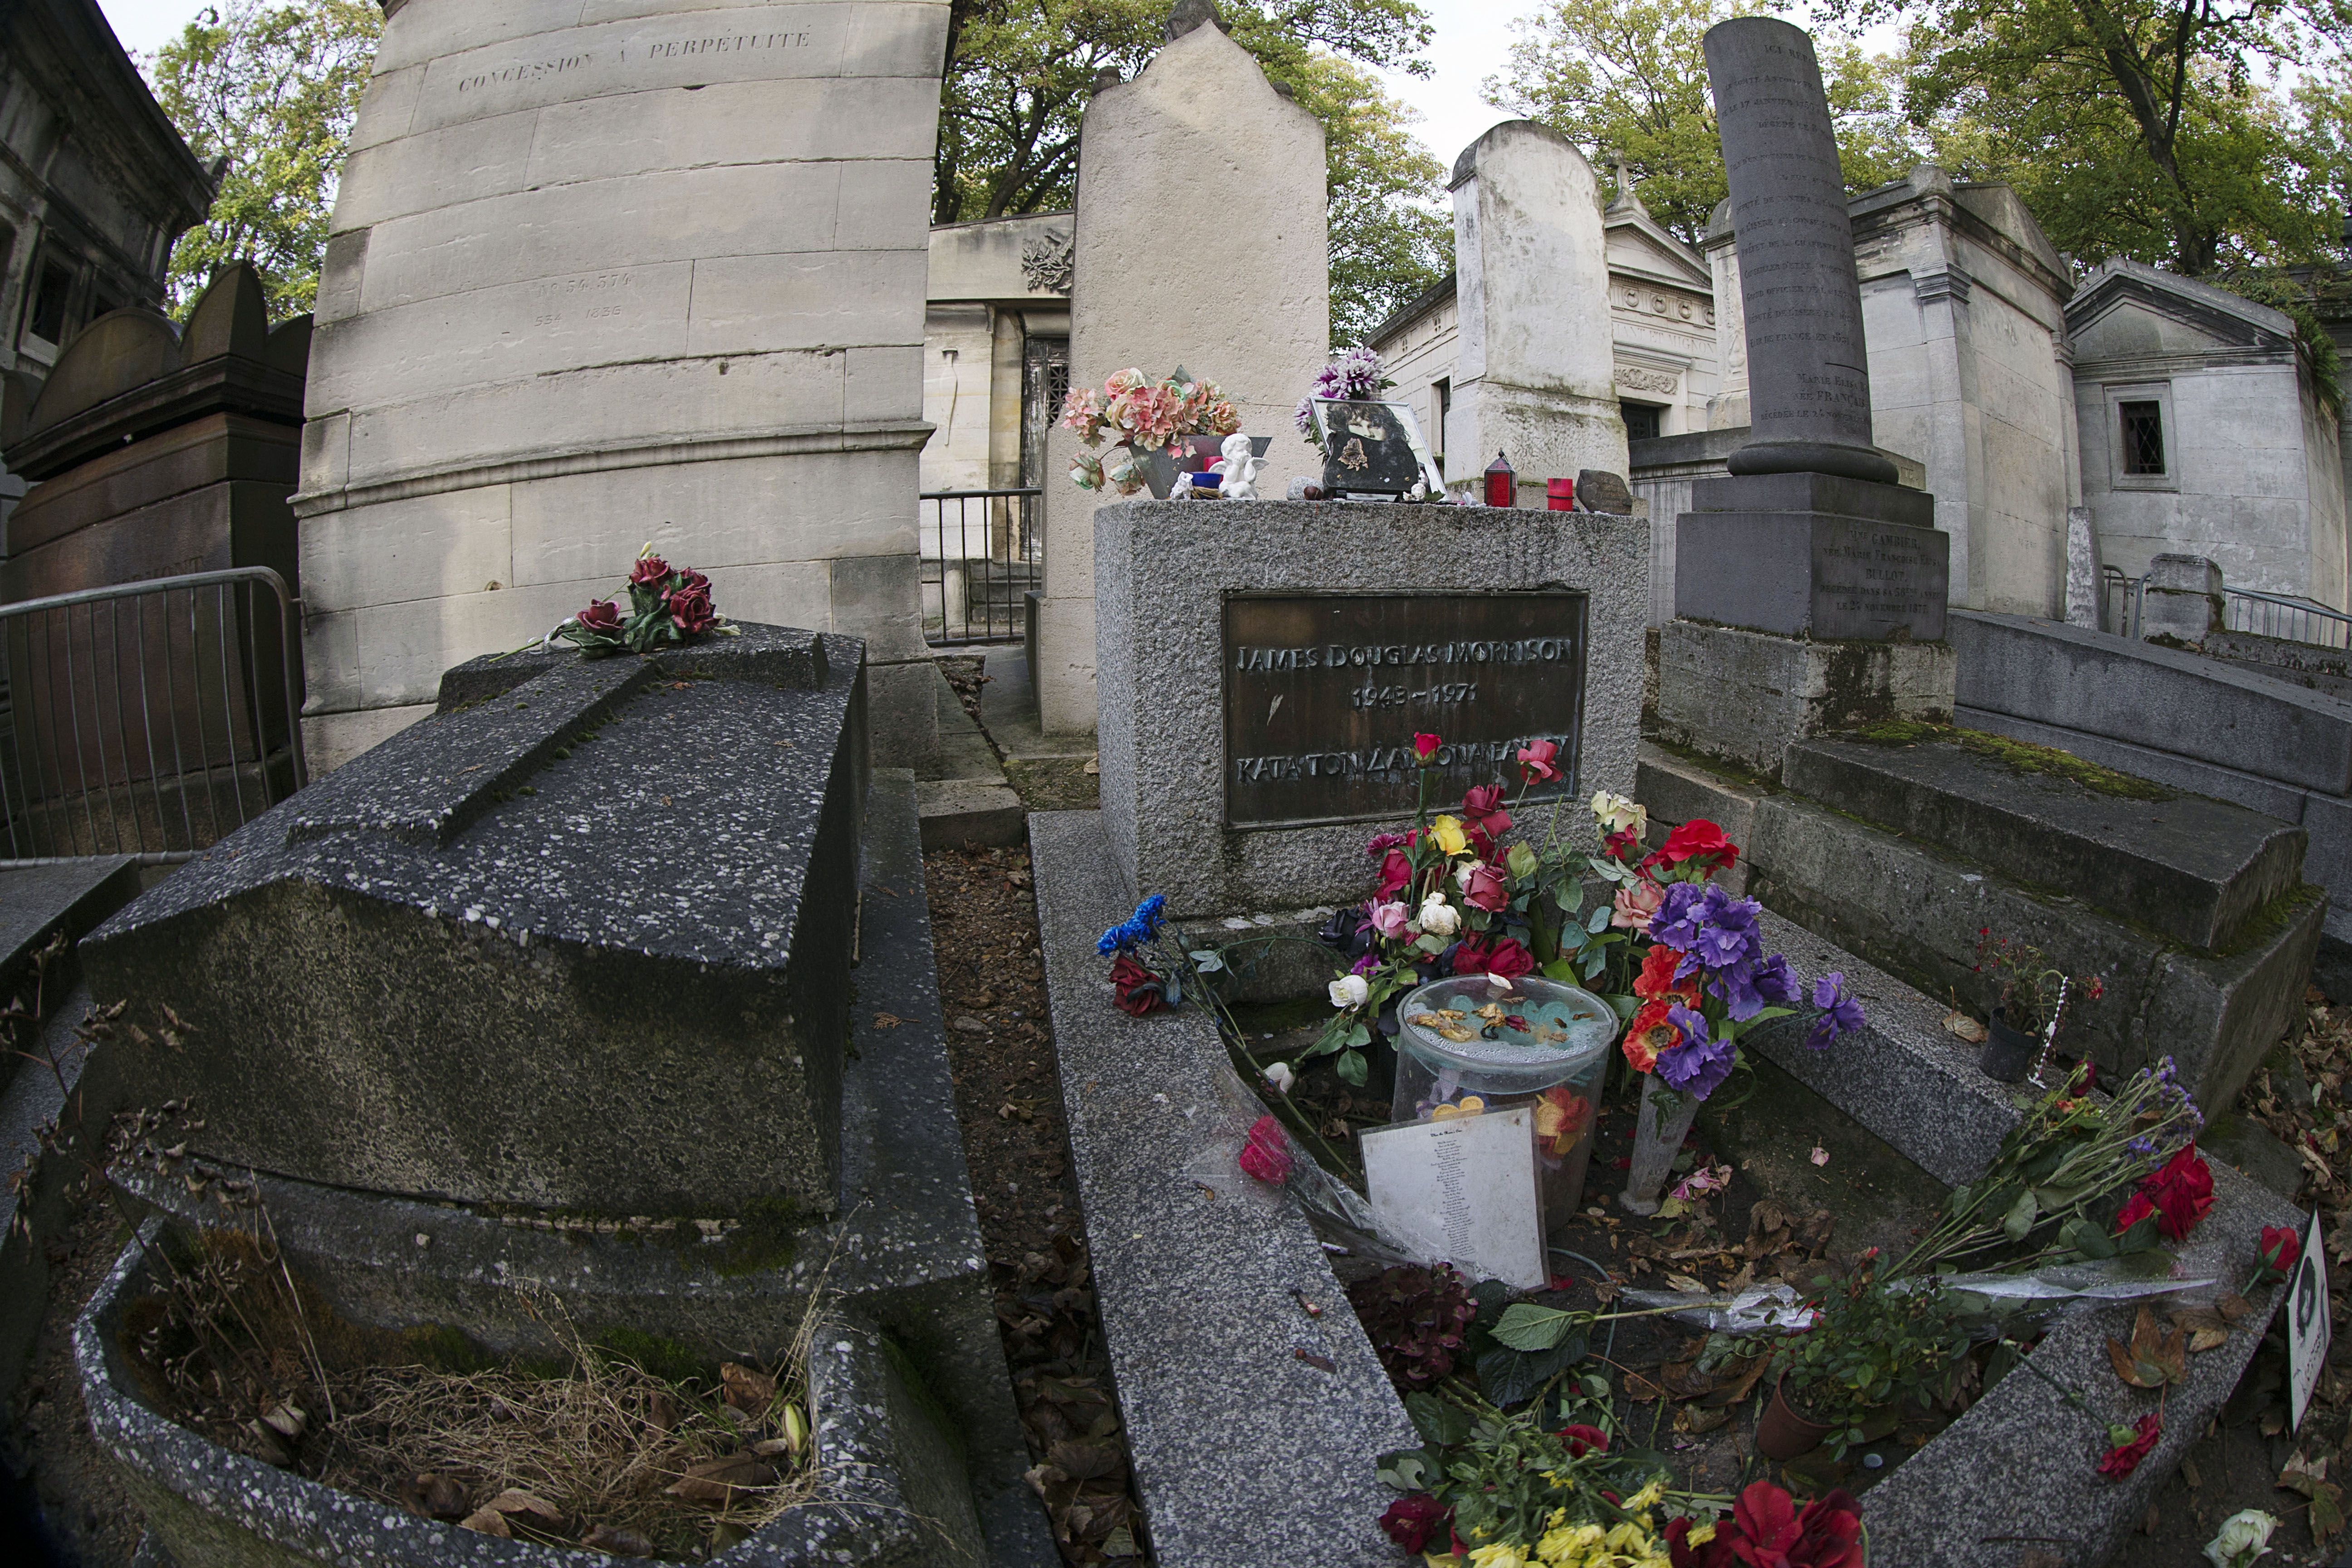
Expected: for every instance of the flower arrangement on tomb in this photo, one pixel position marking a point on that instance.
(665, 605)
(1354, 376)
(1133, 416)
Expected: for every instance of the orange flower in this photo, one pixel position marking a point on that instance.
(1562, 1116)
(1652, 1032)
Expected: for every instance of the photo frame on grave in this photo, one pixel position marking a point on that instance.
(1372, 449)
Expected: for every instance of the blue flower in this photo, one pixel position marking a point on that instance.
(1137, 929)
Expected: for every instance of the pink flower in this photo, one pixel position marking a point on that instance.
(1424, 747)
(1635, 905)
(1485, 889)
(1536, 760)
(1391, 921)
(602, 616)
(648, 571)
(1267, 1155)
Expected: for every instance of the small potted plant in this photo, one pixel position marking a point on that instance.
(1877, 1348)
(2031, 995)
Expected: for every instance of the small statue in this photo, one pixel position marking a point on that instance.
(1240, 467)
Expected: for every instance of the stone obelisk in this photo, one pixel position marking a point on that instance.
(1810, 588)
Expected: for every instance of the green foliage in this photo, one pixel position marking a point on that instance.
(1877, 1348)
(1509, 1481)
(1021, 73)
(273, 89)
(1627, 83)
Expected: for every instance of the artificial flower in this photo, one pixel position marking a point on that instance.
(1634, 906)
(1391, 919)
(648, 570)
(1620, 813)
(1396, 873)
(1438, 917)
(1137, 929)
(2282, 1248)
(1411, 1521)
(1483, 806)
(1449, 834)
(2131, 1446)
(1281, 1076)
(1484, 888)
(1768, 1529)
(1618, 847)
(1561, 1117)
(1135, 989)
(1085, 470)
(1697, 1065)
(690, 610)
(1424, 748)
(1122, 383)
(1348, 932)
(2182, 1191)
(1536, 760)
(1381, 843)
(1266, 1155)
(601, 616)
(1500, 1555)
(1657, 976)
(1699, 839)
(1684, 1542)
(2244, 1536)
(1650, 1031)
(1503, 956)
(1841, 1014)
(1351, 991)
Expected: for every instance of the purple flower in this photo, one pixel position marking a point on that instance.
(1383, 842)
(1841, 1014)
(1736, 989)
(1728, 937)
(1774, 983)
(1677, 921)
(1700, 1065)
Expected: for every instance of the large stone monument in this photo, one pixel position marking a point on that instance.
(1535, 377)
(605, 273)
(1201, 241)
(1810, 588)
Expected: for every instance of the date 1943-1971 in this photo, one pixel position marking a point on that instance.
(1445, 694)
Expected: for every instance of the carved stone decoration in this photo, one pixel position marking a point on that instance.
(1047, 261)
(1633, 380)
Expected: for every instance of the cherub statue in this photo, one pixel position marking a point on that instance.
(1240, 467)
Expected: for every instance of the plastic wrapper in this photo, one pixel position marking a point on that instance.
(2064, 1289)
(1759, 1310)
(1339, 1215)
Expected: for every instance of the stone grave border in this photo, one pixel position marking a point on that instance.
(1244, 1453)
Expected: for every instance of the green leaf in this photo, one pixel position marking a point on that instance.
(1510, 1377)
(1594, 965)
(1351, 1068)
(1528, 1327)
(1430, 943)
(1359, 1036)
(1597, 919)
(1441, 1425)
(2020, 1218)
(1570, 896)
(1207, 960)
(1562, 970)
(2081, 1235)
(2141, 1237)
(1521, 861)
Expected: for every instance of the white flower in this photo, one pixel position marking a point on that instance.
(1461, 874)
(1439, 918)
(1351, 991)
(1616, 812)
(2245, 1535)
(1281, 1077)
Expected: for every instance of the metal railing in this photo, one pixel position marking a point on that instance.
(2120, 599)
(150, 719)
(2289, 620)
(982, 551)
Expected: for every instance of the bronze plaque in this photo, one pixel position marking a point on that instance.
(1324, 693)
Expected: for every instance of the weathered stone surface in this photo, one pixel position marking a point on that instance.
(1598, 489)
(1808, 368)
(642, 930)
(1675, 790)
(2193, 869)
(1532, 376)
(2181, 598)
(2086, 589)
(1745, 696)
(1164, 572)
(1811, 574)
(1198, 130)
(1243, 1453)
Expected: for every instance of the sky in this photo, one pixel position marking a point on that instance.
(144, 25)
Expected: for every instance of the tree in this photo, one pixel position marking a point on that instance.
(1628, 81)
(272, 88)
(1021, 72)
(2137, 128)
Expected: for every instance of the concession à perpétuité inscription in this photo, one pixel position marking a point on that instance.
(1324, 693)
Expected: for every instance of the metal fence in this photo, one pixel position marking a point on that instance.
(2290, 620)
(982, 551)
(2119, 599)
(150, 719)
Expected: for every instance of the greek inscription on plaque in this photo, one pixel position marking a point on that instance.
(1324, 693)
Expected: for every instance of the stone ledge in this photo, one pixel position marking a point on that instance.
(1244, 1454)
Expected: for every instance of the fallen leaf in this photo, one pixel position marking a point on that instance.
(716, 1481)
(2190, 1473)
(2152, 1359)
(1685, 1282)
(1959, 1025)
(1697, 1418)
(286, 1421)
(969, 1025)
(2198, 1320)
(2205, 1340)
(748, 1389)
(487, 1520)
(2232, 1306)
(619, 1543)
(886, 1021)
(434, 1496)
(527, 1508)
(1094, 766)
(661, 1412)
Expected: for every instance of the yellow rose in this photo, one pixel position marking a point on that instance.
(1498, 1555)
(1447, 831)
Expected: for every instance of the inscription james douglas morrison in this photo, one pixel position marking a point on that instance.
(1325, 692)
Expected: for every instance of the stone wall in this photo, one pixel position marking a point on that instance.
(649, 269)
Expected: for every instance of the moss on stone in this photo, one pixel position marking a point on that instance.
(2019, 756)
(2266, 924)
(666, 1359)
(766, 1236)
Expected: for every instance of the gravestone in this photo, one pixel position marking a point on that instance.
(2182, 599)
(2086, 587)
(1810, 589)
(1535, 374)
(1199, 137)
(1266, 667)
(601, 274)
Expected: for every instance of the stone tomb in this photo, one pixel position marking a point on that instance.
(1266, 664)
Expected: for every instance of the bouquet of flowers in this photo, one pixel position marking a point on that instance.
(1354, 376)
(1136, 416)
(667, 604)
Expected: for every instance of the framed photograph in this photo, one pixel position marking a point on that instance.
(1373, 448)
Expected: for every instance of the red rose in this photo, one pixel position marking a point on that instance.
(1134, 988)
(1617, 846)
(1486, 890)
(1716, 1553)
(601, 616)
(1424, 747)
(1411, 1521)
(1583, 1440)
(690, 609)
(1537, 759)
(2124, 1459)
(2281, 1249)
(1482, 809)
(1267, 1155)
(1396, 874)
(690, 578)
(1472, 955)
(1699, 839)
(648, 571)
(1766, 1528)
(2134, 1211)
(2182, 1190)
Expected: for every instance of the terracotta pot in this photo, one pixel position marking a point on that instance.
(2009, 1053)
(1784, 1435)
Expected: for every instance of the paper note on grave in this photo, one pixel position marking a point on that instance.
(1462, 1192)
(2310, 1325)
